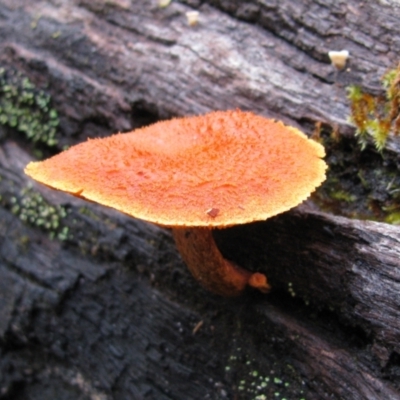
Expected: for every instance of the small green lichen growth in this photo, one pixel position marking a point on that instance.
(375, 116)
(56, 35)
(27, 109)
(34, 210)
(254, 384)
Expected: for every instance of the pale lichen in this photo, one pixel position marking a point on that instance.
(27, 109)
(31, 208)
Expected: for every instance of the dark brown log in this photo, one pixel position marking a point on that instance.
(106, 309)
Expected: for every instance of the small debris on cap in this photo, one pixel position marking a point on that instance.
(213, 212)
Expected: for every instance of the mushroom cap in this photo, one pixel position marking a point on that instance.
(216, 170)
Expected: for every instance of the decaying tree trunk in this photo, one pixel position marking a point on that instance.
(96, 305)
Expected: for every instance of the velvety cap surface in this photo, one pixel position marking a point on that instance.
(220, 169)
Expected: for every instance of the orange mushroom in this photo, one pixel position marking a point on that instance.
(193, 174)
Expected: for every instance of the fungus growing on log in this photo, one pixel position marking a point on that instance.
(193, 174)
(339, 58)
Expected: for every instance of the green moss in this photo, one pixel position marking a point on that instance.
(375, 116)
(27, 109)
(34, 210)
(361, 183)
(341, 195)
(393, 218)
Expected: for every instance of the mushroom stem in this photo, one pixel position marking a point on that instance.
(200, 252)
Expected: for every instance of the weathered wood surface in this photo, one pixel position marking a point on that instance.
(110, 312)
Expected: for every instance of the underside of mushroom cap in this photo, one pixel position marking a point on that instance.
(216, 170)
